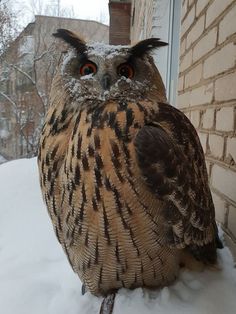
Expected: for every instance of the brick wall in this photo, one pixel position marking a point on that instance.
(120, 13)
(207, 94)
(141, 19)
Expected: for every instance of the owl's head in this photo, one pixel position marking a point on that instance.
(105, 72)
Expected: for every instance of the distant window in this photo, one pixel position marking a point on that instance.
(26, 45)
(5, 126)
(3, 142)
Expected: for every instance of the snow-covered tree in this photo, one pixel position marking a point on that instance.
(7, 25)
(26, 70)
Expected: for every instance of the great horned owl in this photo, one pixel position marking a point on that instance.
(122, 171)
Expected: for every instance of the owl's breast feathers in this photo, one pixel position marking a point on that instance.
(126, 185)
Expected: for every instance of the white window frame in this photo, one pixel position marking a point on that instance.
(166, 25)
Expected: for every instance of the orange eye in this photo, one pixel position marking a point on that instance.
(125, 70)
(88, 68)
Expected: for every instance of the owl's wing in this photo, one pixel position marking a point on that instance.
(172, 163)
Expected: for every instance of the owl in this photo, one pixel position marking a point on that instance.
(122, 172)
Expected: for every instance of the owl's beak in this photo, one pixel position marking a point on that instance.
(106, 81)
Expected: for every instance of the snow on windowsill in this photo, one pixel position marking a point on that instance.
(35, 276)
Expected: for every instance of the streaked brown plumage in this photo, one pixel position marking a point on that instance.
(123, 173)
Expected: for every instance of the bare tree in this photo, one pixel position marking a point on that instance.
(7, 25)
(31, 75)
(50, 8)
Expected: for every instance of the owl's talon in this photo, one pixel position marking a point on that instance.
(108, 304)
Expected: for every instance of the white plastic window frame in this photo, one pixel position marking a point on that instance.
(166, 25)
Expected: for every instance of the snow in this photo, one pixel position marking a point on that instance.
(4, 134)
(105, 50)
(2, 159)
(35, 276)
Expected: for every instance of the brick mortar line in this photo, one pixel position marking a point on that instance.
(224, 134)
(220, 163)
(223, 196)
(213, 105)
(227, 134)
(205, 106)
(226, 221)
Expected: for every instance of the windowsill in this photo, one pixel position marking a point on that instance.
(229, 241)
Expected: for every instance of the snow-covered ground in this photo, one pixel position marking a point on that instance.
(35, 277)
(2, 159)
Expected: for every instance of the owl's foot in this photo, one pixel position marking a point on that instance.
(189, 261)
(108, 304)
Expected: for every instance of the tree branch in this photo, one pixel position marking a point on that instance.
(10, 100)
(22, 72)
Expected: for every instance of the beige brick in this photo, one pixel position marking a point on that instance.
(220, 61)
(232, 220)
(193, 77)
(201, 95)
(184, 100)
(203, 140)
(231, 148)
(195, 32)
(227, 26)
(181, 83)
(206, 44)
(208, 119)
(186, 61)
(220, 208)
(188, 21)
(224, 180)
(225, 119)
(182, 47)
(216, 145)
(184, 8)
(201, 4)
(190, 2)
(225, 87)
(215, 9)
(195, 118)
(208, 165)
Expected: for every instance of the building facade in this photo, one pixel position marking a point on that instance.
(26, 71)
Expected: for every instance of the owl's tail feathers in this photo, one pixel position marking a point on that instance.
(208, 252)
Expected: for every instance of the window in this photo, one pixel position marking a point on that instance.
(166, 25)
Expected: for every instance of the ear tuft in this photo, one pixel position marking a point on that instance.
(72, 39)
(145, 46)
